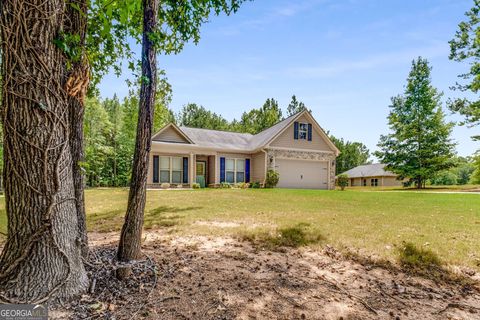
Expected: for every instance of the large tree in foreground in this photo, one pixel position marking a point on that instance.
(419, 145)
(129, 247)
(42, 255)
(166, 29)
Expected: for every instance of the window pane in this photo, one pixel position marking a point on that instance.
(230, 165)
(303, 126)
(200, 168)
(177, 163)
(240, 177)
(230, 177)
(164, 176)
(302, 135)
(240, 165)
(165, 163)
(177, 177)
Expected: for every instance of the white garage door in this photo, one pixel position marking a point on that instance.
(302, 174)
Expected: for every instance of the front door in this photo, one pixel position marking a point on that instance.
(200, 173)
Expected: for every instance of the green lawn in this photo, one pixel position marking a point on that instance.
(373, 222)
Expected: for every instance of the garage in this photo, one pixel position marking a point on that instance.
(302, 174)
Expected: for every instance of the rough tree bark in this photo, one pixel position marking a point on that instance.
(76, 86)
(41, 259)
(129, 247)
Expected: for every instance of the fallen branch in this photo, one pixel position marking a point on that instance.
(289, 299)
(350, 295)
(460, 306)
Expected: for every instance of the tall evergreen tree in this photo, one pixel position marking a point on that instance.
(464, 48)
(295, 106)
(419, 145)
(257, 120)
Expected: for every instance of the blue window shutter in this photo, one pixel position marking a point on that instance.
(309, 132)
(222, 169)
(295, 130)
(247, 170)
(185, 170)
(156, 166)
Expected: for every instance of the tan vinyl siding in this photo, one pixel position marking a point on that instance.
(257, 168)
(170, 134)
(286, 140)
(387, 181)
(390, 182)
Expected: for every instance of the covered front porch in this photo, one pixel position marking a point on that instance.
(207, 170)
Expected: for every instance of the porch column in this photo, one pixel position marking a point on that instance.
(191, 167)
(216, 169)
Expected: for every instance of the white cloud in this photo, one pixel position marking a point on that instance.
(340, 67)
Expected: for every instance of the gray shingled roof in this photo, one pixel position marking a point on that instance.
(369, 170)
(218, 139)
(234, 140)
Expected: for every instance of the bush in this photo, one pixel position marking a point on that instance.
(179, 186)
(294, 237)
(419, 259)
(255, 185)
(272, 179)
(342, 181)
(196, 185)
(165, 185)
(242, 185)
(225, 185)
(445, 178)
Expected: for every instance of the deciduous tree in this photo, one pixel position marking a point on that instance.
(42, 257)
(166, 28)
(352, 154)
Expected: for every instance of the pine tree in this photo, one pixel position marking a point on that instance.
(419, 145)
(295, 106)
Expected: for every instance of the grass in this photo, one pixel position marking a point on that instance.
(294, 236)
(371, 223)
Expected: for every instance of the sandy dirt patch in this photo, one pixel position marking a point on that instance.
(221, 278)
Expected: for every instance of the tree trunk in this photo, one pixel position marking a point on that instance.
(129, 247)
(77, 85)
(419, 183)
(42, 255)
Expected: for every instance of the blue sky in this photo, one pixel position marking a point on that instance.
(343, 58)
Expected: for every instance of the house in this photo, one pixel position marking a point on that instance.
(372, 175)
(297, 148)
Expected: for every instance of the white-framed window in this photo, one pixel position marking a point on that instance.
(177, 170)
(374, 182)
(164, 169)
(171, 170)
(234, 170)
(302, 131)
(240, 170)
